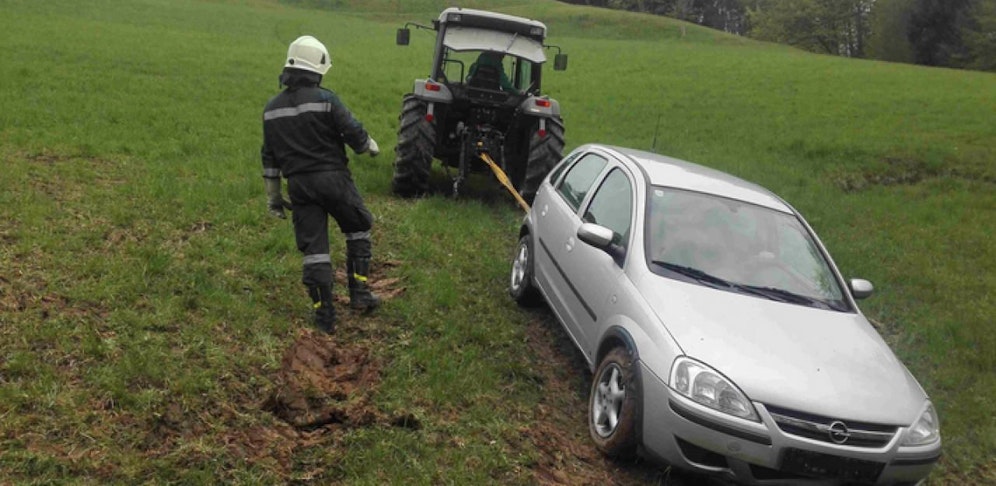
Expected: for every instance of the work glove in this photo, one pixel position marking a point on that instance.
(275, 199)
(372, 147)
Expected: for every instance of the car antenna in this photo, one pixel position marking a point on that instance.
(653, 145)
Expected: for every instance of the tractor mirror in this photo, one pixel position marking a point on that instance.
(560, 62)
(403, 36)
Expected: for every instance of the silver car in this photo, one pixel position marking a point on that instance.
(721, 336)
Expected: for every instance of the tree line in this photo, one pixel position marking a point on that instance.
(950, 33)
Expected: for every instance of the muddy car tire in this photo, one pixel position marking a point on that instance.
(612, 405)
(413, 160)
(544, 153)
(521, 286)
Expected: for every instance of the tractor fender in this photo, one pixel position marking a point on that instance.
(540, 106)
(432, 92)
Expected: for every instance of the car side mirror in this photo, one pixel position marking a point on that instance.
(403, 37)
(598, 236)
(560, 62)
(861, 289)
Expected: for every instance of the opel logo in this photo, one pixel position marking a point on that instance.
(839, 433)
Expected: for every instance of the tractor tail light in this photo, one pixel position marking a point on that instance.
(429, 117)
(541, 132)
(543, 103)
(431, 87)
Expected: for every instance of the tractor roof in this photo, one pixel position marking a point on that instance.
(481, 19)
(461, 38)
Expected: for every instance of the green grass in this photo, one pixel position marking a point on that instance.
(141, 281)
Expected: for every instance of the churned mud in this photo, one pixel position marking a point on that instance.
(328, 381)
(322, 383)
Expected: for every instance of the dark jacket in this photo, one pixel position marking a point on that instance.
(494, 62)
(306, 128)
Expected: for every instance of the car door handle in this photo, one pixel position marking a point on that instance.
(570, 243)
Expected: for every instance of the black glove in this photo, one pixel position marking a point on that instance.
(275, 199)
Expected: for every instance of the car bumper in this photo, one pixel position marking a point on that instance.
(688, 435)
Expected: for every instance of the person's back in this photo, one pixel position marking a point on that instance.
(487, 72)
(307, 127)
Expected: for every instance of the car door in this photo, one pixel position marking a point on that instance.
(555, 229)
(593, 272)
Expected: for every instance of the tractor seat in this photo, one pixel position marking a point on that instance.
(485, 77)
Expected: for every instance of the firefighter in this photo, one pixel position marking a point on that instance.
(305, 130)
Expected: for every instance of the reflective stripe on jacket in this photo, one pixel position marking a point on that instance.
(306, 128)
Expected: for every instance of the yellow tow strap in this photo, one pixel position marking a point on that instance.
(500, 174)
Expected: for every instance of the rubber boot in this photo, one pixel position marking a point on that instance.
(324, 311)
(360, 296)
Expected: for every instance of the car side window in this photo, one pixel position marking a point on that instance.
(612, 206)
(561, 167)
(579, 179)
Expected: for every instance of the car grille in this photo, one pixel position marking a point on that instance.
(824, 429)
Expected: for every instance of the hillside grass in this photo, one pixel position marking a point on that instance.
(140, 277)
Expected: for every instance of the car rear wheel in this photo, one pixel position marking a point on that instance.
(612, 408)
(521, 286)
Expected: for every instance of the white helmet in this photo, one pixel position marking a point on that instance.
(307, 53)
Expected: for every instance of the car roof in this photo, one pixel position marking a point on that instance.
(662, 170)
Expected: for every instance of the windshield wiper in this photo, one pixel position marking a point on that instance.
(784, 295)
(770, 293)
(695, 274)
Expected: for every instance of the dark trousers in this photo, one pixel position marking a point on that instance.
(315, 196)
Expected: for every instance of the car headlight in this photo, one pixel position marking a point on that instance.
(925, 430)
(706, 386)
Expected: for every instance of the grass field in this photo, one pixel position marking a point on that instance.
(150, 310)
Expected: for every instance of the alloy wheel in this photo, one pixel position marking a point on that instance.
(519, 267)
(607, 403)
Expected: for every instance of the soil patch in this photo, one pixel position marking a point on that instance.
(322, 382)
(885, 172)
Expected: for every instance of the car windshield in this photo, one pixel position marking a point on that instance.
(737, 246)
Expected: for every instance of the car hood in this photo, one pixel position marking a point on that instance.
(818, 361)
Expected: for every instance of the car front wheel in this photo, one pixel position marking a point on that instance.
(612, 407)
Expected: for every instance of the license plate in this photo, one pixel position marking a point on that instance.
(815, 464)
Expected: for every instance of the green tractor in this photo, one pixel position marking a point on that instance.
(483, 96)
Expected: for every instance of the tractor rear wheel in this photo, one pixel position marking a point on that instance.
(544, 153)
(413, 153)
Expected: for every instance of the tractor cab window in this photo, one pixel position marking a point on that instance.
(524, 76)
(488, 70)
(519, 55)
